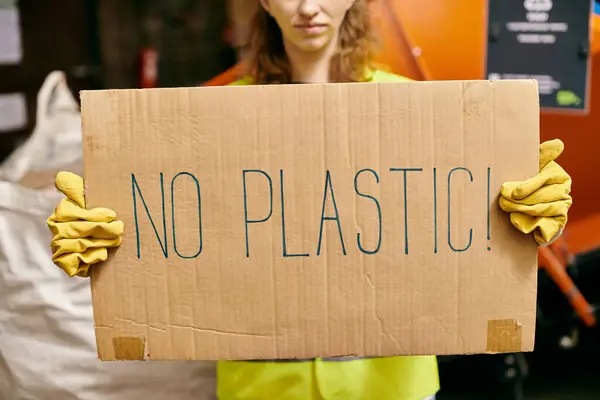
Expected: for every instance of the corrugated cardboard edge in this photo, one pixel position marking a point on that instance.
(130, 348)
(504, 336)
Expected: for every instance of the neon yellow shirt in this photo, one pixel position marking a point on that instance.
(372, 76)
(390, 378)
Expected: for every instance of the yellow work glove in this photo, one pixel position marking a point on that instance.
(81, 237)
(540, 204)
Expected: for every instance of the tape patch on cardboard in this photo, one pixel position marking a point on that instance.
(504, 336)
(129, 348)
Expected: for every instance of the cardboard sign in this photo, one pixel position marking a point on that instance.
(301, 221)
(546, 40)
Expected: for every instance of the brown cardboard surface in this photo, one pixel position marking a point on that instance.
(371, 230)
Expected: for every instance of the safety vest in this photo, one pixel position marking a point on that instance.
(387, 378)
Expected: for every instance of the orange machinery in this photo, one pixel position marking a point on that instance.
(423, 40)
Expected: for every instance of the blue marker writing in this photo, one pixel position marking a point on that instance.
(329, 187)
(405, 170)
(136, 189)
(449, 219)
(361, 248)
(284, 239)
(255, 221)
(199, 214)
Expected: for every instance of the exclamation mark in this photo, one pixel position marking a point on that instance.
(435, 248)
(489, 233)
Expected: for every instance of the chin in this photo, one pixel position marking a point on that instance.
(314, 44)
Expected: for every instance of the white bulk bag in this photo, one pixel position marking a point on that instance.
(47, 342)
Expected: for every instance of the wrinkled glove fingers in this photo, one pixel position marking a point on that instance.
(78, 263)
(81, 236)
(545, 237)
(85, 229)
(546, 194)
(72, 186)
(65, 246)
(524, 223)
(552, 209)
(67, 211)
(83, 270)
(553, 174)
(550, 151)
(545, 229)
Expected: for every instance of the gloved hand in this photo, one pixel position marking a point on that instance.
(540, 204)
(81, 237)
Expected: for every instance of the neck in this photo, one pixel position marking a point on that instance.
(310, 67)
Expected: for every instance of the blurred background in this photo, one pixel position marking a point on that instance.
(159, 43)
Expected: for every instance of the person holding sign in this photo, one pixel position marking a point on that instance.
(315, 41)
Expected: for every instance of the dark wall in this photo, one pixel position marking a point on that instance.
(55, 35)
(98, 43)
(188, 35)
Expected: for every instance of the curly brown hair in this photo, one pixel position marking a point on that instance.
(266, 62)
